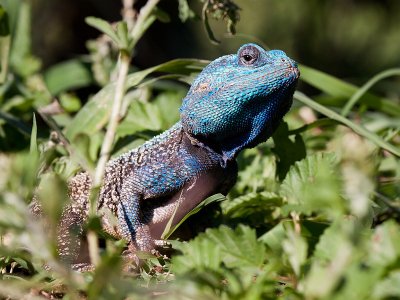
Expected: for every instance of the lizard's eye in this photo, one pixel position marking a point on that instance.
(249, 55)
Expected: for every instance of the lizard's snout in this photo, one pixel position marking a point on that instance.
(295, 70)
(282, 61)
(292, 68)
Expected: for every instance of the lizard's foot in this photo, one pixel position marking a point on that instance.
(131, 261)
(162, 244)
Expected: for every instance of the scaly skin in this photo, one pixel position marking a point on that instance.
(236, 102)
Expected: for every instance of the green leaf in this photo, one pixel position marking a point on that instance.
(94, 115)
(106, 278)
(21, 60)
(185, 12)
(274, 237)
(295, 247)
(257, 171)
(69, 102)
(168, 103)
(104, 27)
(169, 229)
(330, 242)
(199, 254)
(23, 263)
(389, 287)
(310, 230)
(83, 146)
(385, 245)
(359, 282)
(332, 257)
(66, 76)
(4, 62)
(53, 197)
(312, 185)
(250, 204)
(161, 15)
(12, 8)
(123, 36)
(287, 151)
(239, 247)
(141, 116)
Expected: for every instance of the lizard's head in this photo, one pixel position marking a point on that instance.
(238, 100)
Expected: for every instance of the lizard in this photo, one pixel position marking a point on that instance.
(236, 102)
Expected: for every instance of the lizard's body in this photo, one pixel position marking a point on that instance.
(165, 185)
(236, 102)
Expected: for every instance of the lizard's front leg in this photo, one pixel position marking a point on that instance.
(132, 223)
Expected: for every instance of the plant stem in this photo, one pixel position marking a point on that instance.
(124, 62)
(128, 13)
(114, 118)
(106, 148)
(4, 57)
(140, 25)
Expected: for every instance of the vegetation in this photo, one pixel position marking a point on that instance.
(314, 215)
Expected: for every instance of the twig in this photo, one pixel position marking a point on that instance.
(128, 13)
(114, 118)
(296, 222)
(391, 204)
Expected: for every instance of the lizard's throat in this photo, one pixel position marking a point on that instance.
(256, 129)
(227, 149)
(210, 146)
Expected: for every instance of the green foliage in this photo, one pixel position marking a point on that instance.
(314, 214)
(66, 76)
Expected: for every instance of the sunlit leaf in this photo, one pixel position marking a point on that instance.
(67, 75)
(104, 27)
(312, 185)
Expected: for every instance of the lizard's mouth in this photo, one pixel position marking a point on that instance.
(293, 72)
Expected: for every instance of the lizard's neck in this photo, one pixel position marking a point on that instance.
(214, 154)
(256, 129)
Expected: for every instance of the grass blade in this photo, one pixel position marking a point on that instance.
(340, 89)
(361, 91)
(357, 128)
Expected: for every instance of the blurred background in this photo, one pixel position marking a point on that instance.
(351, 39)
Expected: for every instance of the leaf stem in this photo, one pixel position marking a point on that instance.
(4, 57)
